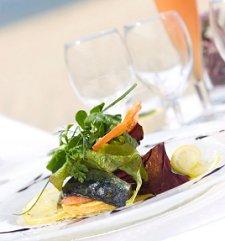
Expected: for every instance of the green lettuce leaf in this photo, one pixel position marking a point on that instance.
(135, 169)
(60, 175)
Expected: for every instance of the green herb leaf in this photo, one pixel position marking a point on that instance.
(57, 161)
(79, 171)
(80, 118)
(63, 137)
(75, 141)
(97, 109)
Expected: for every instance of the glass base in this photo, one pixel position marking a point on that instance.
(217, 112)
(217, 95)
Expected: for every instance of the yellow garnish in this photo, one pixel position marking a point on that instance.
(188, 160)
(45, 210)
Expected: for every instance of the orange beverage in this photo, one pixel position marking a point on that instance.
(189, 12)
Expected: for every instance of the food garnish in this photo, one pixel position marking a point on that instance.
(189, 160)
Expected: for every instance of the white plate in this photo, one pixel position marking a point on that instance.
(12, 201)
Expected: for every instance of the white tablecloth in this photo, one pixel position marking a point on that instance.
(20, 143)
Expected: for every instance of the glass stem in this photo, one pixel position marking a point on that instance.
(177, 111)
(203, 95)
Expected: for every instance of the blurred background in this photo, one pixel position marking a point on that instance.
(34, 85)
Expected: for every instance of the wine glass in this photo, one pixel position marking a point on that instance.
(98, 66)
(161, 54)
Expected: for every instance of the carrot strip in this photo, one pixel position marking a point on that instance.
(131, 117)
(126, 125)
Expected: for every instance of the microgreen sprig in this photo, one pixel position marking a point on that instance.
(121, 97)
(37, 199)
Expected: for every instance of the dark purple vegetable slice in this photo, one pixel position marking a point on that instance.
(137, 133)
(160, 175)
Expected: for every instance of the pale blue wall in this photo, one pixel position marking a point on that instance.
(15, 10)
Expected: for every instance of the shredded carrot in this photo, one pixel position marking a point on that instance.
(75, 200)
(126, 125)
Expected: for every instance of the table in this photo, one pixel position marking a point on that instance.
(31, 144)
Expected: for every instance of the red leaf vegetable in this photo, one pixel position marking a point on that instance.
(124, 176)
(137, 133)
(160, 175)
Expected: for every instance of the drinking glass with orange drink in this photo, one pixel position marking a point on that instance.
(188, 11)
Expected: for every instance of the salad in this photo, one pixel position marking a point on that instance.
(97, 168)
